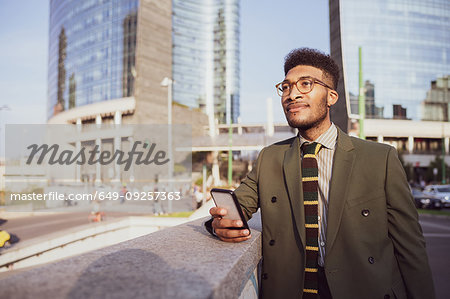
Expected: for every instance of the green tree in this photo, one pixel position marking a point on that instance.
(436, 163)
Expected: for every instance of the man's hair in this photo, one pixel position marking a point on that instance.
(315, 58)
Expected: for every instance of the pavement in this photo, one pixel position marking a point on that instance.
(436, 229)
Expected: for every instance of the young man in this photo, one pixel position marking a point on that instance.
(338, 219)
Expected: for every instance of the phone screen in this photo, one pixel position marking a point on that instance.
(226, 199)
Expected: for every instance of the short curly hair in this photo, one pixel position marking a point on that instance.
(315, 58)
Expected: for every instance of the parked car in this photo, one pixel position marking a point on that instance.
(4, 238)
(440, 191)
(426, 201)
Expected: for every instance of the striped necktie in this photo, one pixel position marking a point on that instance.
(310, 178)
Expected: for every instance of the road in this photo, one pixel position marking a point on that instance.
(31, 227)
(39, 225)
(437, 235)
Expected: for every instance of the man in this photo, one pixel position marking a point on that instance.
(338, 220)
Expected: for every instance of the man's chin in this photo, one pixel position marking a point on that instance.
(298, 124)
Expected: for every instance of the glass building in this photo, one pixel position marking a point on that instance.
(405, 47)
(91, 52)
(206, 55)
(102, 50)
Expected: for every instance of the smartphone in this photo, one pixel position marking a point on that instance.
(227, 199)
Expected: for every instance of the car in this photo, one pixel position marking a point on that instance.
(440, 191)
(426, 201)
(4, 238)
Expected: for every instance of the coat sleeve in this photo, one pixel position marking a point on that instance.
(247, 192)
(406, 232)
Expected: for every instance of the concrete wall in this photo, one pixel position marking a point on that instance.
(153, 60)
(183, 261)
(153, 63)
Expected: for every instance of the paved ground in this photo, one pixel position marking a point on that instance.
(437, 236)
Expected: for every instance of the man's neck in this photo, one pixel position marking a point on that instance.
(315, 132)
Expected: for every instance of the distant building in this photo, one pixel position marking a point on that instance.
(120, 51)
(436, 106)
(206, 55)
(405, 46)
(372, 111)
(108, 59)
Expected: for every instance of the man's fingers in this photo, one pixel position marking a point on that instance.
(217, 212)
(232, 233)
(221, 227)
(235, 240)
(225, 223)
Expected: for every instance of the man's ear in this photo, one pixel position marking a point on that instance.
(332, 98)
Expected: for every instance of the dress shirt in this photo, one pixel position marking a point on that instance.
(325, 166)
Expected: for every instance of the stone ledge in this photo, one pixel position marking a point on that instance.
(184, 261)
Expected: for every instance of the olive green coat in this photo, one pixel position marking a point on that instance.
(372, 254)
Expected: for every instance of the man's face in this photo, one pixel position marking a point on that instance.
(305, 111)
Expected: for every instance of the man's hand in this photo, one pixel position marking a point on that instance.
(221, 227)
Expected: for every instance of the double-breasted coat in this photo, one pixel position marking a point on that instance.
(374, 244)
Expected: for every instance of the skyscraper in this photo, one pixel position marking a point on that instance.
(206, 55)
(114, 55)
(405, 46)
(91, 51)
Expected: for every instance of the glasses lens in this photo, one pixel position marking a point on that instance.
(283, 89)
(304, 85)
(279, 90)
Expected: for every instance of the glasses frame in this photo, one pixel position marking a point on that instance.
(314, 80)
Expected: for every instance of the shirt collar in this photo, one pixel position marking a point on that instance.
(327, 139)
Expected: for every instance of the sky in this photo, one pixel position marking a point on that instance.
(269, 30)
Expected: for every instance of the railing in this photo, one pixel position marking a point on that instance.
(184, 261)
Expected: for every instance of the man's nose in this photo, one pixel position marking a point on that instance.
(294, 94)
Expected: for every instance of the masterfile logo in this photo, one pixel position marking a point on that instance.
(75, 158)
(91, 157)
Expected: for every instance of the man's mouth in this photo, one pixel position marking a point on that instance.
(295, 107)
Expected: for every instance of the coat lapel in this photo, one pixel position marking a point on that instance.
(342, 168)
(292, 177)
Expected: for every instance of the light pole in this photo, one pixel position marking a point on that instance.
(5, 108)
(230, 139)
(168, 82)
(2, 151)
(361, 99)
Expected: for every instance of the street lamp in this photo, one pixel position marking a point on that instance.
(2, 151)
(5, 108)
(167, 82)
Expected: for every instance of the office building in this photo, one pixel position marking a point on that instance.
(124, 61)
(107, 60)
(206, 55)
(436, 106)
(405, 49)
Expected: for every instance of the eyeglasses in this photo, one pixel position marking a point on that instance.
(304, 85)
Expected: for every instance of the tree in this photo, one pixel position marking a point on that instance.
(72, 91)
(429, 174)
(62, 53)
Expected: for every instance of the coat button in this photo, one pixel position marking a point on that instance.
(272, 242)
(264, 276)
(274, 199)
(371, 260)
(387, 296)
(365, 213)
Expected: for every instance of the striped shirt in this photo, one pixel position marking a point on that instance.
(325, 164)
